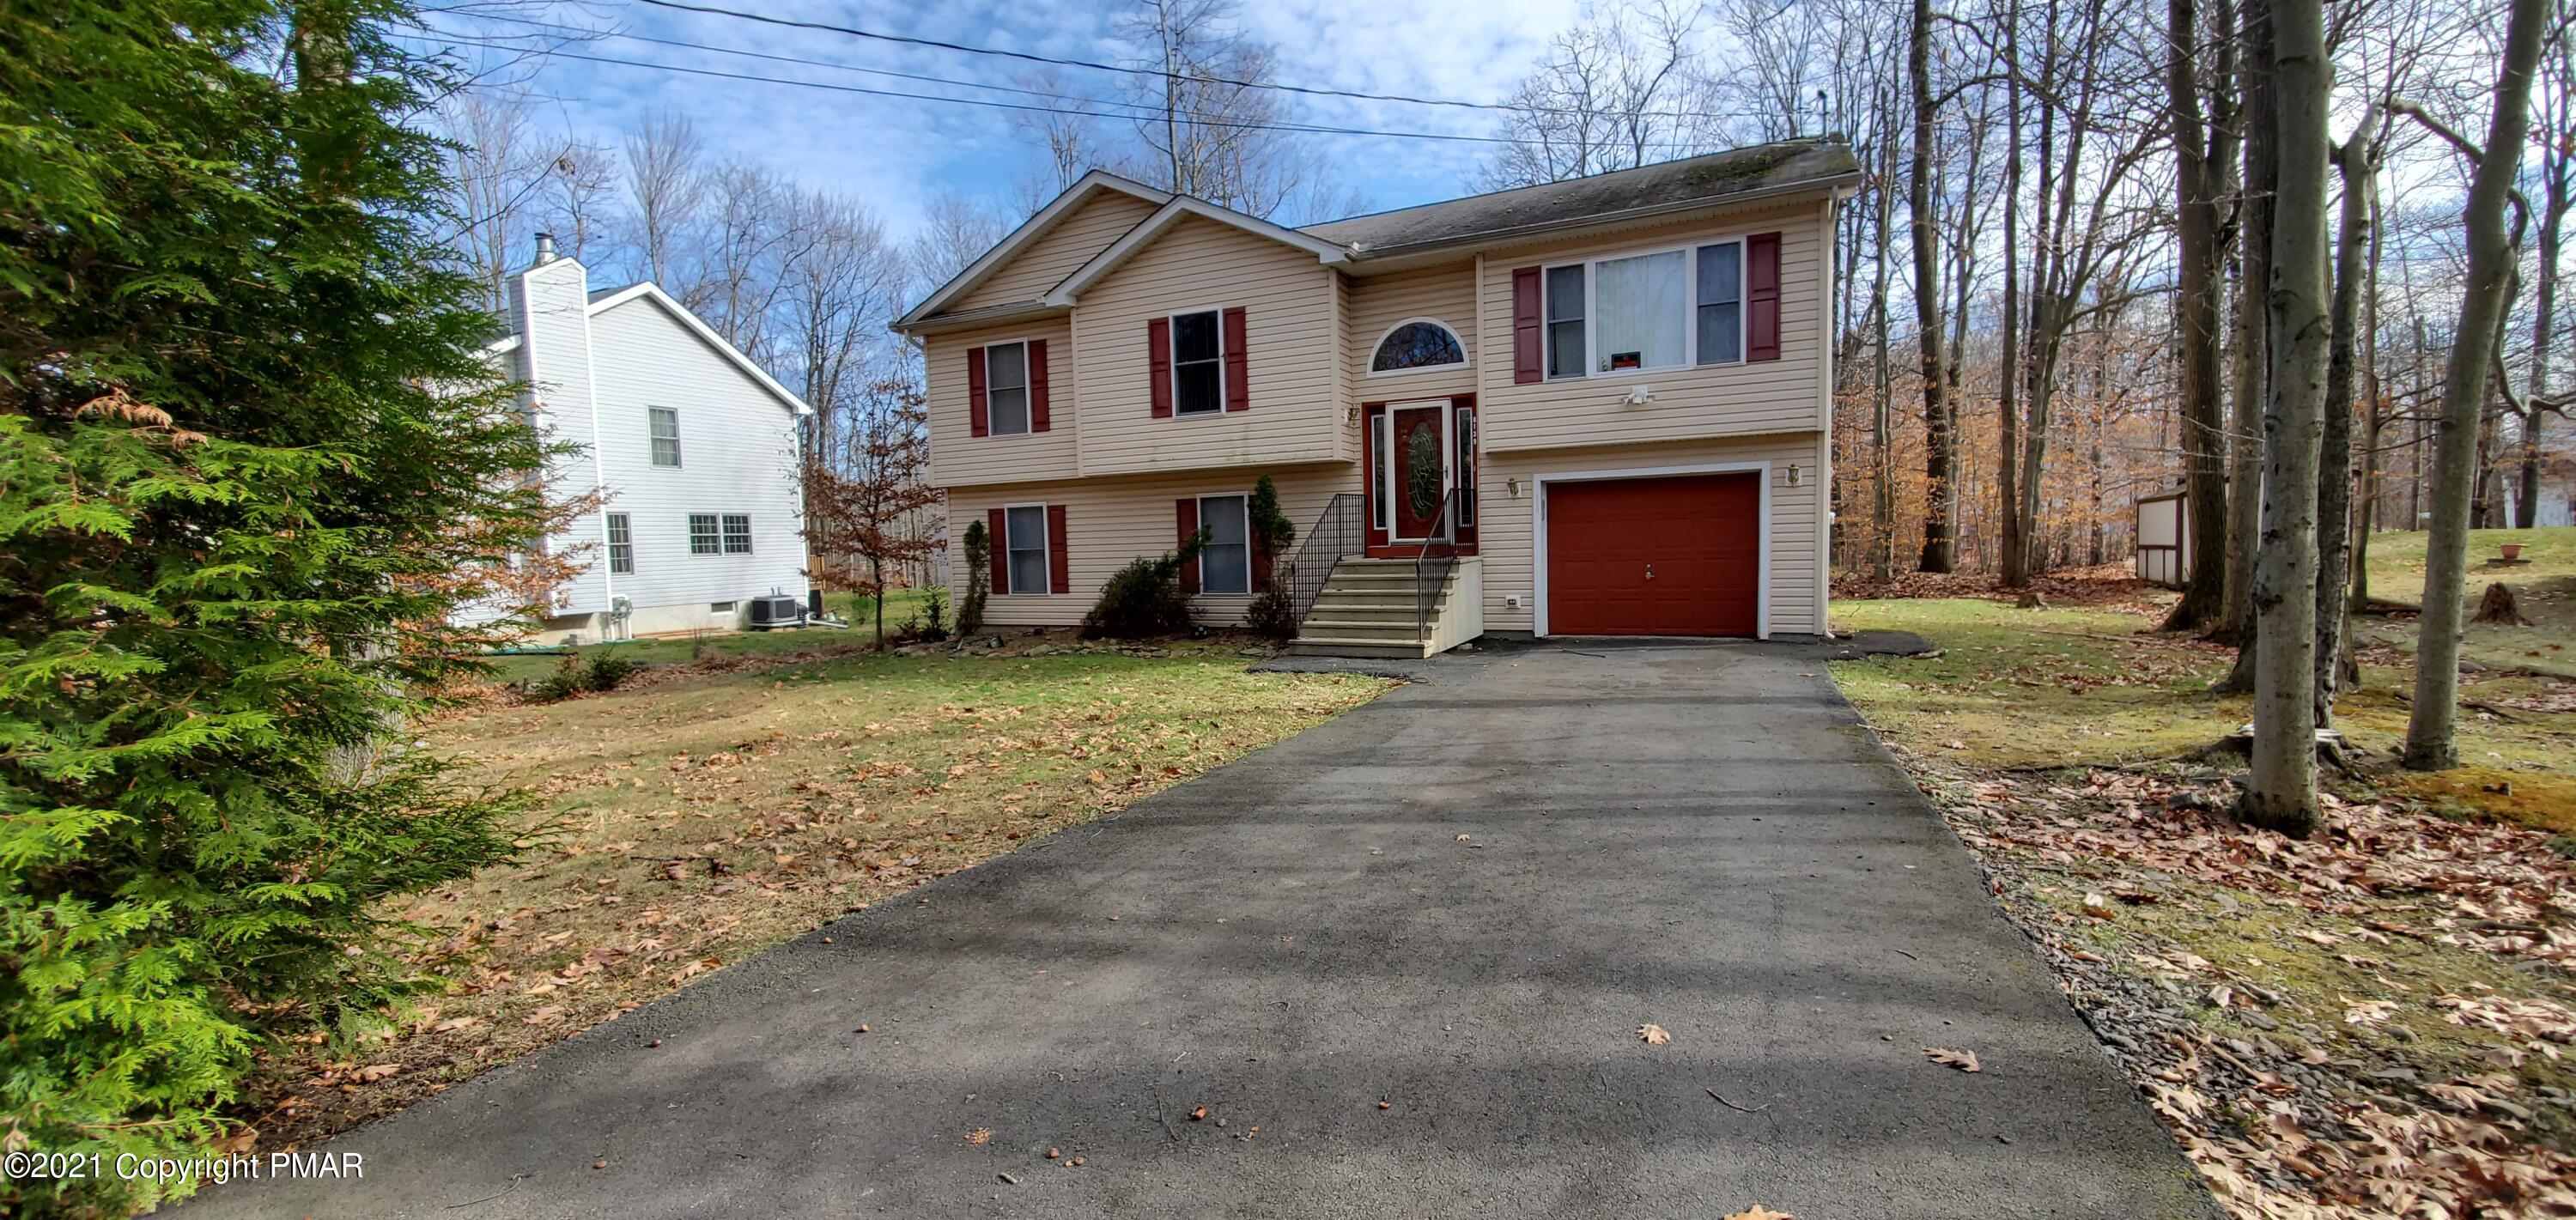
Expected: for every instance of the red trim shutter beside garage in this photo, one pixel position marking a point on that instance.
(1528, 363)
(1001, 548)
(1762, 297)
(1185, 513)
(978, 411)
(1059, 567)
(1158, 348)
(1238, 377)
(1038, 420)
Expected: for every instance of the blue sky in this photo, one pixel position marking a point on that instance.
(895, 152)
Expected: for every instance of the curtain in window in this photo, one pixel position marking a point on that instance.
(1642, 303)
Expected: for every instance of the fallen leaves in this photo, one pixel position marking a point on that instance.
(1760, 1212)
(980, 1136)
(1653, 1035)
(1965, 1061)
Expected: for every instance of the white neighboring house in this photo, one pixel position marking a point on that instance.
(693, 446)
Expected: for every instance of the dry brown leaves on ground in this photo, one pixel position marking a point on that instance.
(2283, 1004)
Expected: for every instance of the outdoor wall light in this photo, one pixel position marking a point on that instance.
(1793, 474)
(1513, 486)
(1640, 396)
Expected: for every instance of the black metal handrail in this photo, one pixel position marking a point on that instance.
(1431, 564)
(1338, 534)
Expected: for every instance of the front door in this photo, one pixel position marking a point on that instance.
(1418, 479)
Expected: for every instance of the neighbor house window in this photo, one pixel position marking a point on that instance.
(1721, 303)
(1565, 321)
(621, 545)
(666, 436)
(703, 537)
(737, 534)
(1027, 542)
(1198, 364)
(1419, 344)
(1225, 564)
(1006, 388)
(1660, 310)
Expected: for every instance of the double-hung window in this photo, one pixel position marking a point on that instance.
(1658, 310)
(1225, 563)
(1006, 388)
(621, 545)
(1198, 363)
(666, 435)
(703, 536)
(737, 534)
(1025, 528)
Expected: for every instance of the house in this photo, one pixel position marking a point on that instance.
(691, 447)
(1591, 407)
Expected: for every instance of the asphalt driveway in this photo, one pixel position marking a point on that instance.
(1401, 961)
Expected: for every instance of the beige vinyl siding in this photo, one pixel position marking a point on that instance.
(1111, 521)
(1292, 322)
(957, 455)
(1769, 396)
(1507, 525)
(1062, 250)
(1445, 294)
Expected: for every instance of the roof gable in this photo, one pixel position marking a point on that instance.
(1062, 207)
(649, 291)
(1181, 207)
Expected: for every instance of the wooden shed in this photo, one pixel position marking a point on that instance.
(2164, 538)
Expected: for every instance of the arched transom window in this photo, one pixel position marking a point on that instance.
(1419, 343)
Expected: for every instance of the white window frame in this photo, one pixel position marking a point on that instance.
(724, 532)
(1045, 546)
(613, 528)
(1762, 538)
(1466, 358)
(1172, 328)
(1028, 390)
(1690, 307)
(1246, 498)
(652, 452)
(718, 520)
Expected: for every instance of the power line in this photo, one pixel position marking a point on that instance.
(1306, 128)
(1158, 73)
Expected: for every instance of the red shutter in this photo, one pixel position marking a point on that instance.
(1260, 563)
(1001, 556)
(1186, 511)
(1158, 345)
(1238, 379)
(1059, 568)
(1762, 297)
(1529, 359)
(978, 412)
(1037, 386)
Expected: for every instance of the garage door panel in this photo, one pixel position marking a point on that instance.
(1699, 536)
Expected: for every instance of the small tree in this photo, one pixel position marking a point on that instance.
(978, 549)
(866, 505)
(1144, 599)
(1274, 612)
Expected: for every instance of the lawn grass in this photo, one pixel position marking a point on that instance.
(700, 816)
(902, 606)
(2544, 584)
(2066, 745)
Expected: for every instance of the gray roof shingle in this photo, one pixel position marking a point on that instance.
(1709, 178)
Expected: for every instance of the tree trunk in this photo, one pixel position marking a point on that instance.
(2432, 727)
(2204, 426)
(2011, 529)
(2253, 344)
(2334, 669)
(1882, 423)
(1939, 418)
(2281, 793)
(2378, 414)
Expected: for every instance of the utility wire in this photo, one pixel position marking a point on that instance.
(1158, 73)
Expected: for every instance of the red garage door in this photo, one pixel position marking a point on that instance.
(1665, 556)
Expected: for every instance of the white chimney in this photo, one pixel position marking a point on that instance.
(545, 248)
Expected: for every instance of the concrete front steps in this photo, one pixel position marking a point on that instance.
(1370, 608)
